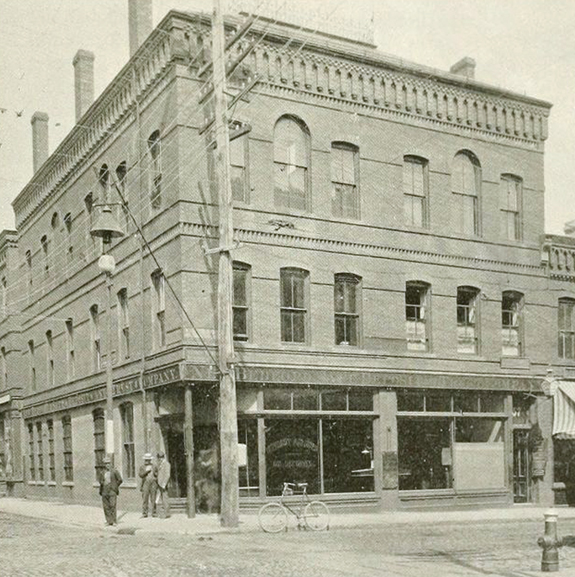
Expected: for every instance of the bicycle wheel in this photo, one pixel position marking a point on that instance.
(272, 518)
(316, 515)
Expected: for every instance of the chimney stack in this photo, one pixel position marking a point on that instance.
(465, 67)
(140, 22)
(39, 124)
(83, 81)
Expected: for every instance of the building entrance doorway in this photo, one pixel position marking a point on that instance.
(521, 466)
(176, 454)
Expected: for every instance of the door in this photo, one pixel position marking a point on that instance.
(176, 455)
(521, 466)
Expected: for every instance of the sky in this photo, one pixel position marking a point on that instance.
(527, 46)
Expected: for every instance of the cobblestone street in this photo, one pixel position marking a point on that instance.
(31, 547)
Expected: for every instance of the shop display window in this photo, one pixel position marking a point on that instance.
(249, 466)
(424, 454)
(347, 455)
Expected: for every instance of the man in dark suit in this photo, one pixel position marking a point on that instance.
(110, 481)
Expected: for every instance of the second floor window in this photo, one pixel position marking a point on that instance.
(291, 164)
(241, 301)
(345, 190)
(32, 364)
(96, 344)
(123, 323)
(511, 329)
(159, 307)
(346, 309)
(465, 182)
(70, 351)
(416, 316)
(3, 368)
(45, 255)
(566, 325)
(49, 358)
(293, 305)
(467, 325)
(415, 191)
(511, 207)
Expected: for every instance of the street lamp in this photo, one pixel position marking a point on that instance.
(106, 227)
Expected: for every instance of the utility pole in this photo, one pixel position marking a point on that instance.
(229, 514)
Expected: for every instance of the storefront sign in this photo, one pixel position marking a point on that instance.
(126, 387)
(162, 377)
(77, 400)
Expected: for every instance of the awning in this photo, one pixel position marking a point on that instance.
(564, 410)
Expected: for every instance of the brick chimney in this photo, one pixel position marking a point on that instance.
(83, 81)
(465, 67)
(140, 22)
(39, 124)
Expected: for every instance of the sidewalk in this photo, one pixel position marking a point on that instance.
(129, 521)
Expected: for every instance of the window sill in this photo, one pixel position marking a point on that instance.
(67, 483)
(51, 483)
(37, 483)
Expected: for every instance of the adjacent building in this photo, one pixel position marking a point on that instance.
(396, 304)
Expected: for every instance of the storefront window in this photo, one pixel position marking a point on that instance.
(424, 454)
(292, 454)
(347, 455)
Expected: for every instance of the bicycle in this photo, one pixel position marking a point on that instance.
(314, 515)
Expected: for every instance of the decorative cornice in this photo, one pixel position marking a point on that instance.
(294, 240)
(130, 85)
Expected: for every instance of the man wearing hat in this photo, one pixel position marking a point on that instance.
(110, 481)
(163, 471)
(148, 485)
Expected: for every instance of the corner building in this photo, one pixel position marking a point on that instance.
(392, 319)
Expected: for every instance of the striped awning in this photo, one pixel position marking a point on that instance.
(564, 410)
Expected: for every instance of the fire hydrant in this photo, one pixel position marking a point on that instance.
(550, 543)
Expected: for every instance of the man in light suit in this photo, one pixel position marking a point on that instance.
(163, 471)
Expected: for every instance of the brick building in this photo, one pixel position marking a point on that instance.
(393, 319)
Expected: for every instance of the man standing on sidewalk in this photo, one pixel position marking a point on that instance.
(110, 481)
(148, 486)
(163, 471)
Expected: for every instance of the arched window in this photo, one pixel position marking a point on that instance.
(344, 179)
(291, 164)
(465, 186)
(347, 306)
(55, 221)
(294, 304)
(415, 191)
(467, 319)
(566, 328)
(95, 334)
(417, 315)
(155, 151)
(511, 193)
(511, 323)
(29, 268)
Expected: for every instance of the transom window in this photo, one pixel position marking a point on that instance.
(467, 333)
(346, 307)
(415, 187)
(345, 190)
(293, 305)
(291, 164)
(465, 183)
